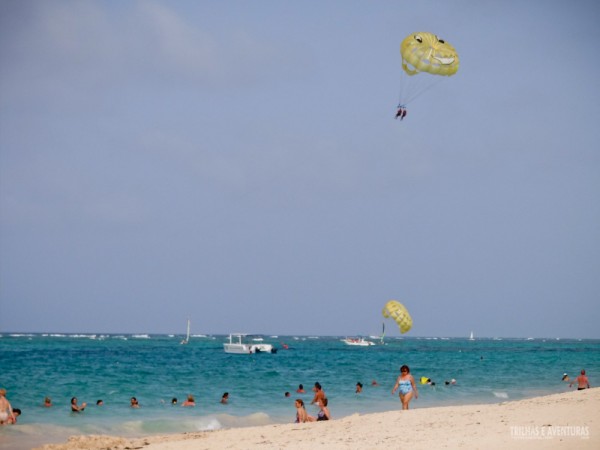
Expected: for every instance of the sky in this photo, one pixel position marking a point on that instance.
(238, 164)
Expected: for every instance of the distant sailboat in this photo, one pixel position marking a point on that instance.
(471, 338)
(187, 336)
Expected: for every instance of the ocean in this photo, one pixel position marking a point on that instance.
(156, 368)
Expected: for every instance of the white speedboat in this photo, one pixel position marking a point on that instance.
(236, 345)
(362, 342)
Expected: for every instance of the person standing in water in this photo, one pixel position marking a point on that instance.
(75, 407)
(582, 381)
(319, 393)
(407, 386)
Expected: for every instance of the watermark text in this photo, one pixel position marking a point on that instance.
(549, 432)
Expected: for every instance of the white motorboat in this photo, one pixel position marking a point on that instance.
(236, 345)
(361, 342)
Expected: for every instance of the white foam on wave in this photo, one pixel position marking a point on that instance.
(168, 425)
(208, 424)
(140, 336)
(500, 394)
(131, 427)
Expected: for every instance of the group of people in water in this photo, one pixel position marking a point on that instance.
(319, 399)
(8, 415)
(405, 384)
(133, 402)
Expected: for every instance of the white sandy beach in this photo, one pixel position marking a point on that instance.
(567, 420)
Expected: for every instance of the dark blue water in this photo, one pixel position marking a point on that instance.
(157, 368)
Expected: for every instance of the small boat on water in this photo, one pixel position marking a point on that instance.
(471, 337)
(187, 336)
(236, 345)
(361, 342)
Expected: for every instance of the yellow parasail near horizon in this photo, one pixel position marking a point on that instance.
(426, 52)
(399, 313)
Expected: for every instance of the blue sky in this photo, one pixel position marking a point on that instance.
(239, 163)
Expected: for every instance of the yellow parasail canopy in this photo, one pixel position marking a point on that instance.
(399, 313)
(425, 52)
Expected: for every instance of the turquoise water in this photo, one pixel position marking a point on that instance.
(156, 368)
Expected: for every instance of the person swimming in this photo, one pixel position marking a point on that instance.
(189, 401)
(75, 407)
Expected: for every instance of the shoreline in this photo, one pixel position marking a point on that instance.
(564, 420)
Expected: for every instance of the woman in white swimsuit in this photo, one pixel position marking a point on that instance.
(6, 411)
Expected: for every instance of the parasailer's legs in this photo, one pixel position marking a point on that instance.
(401, 112)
